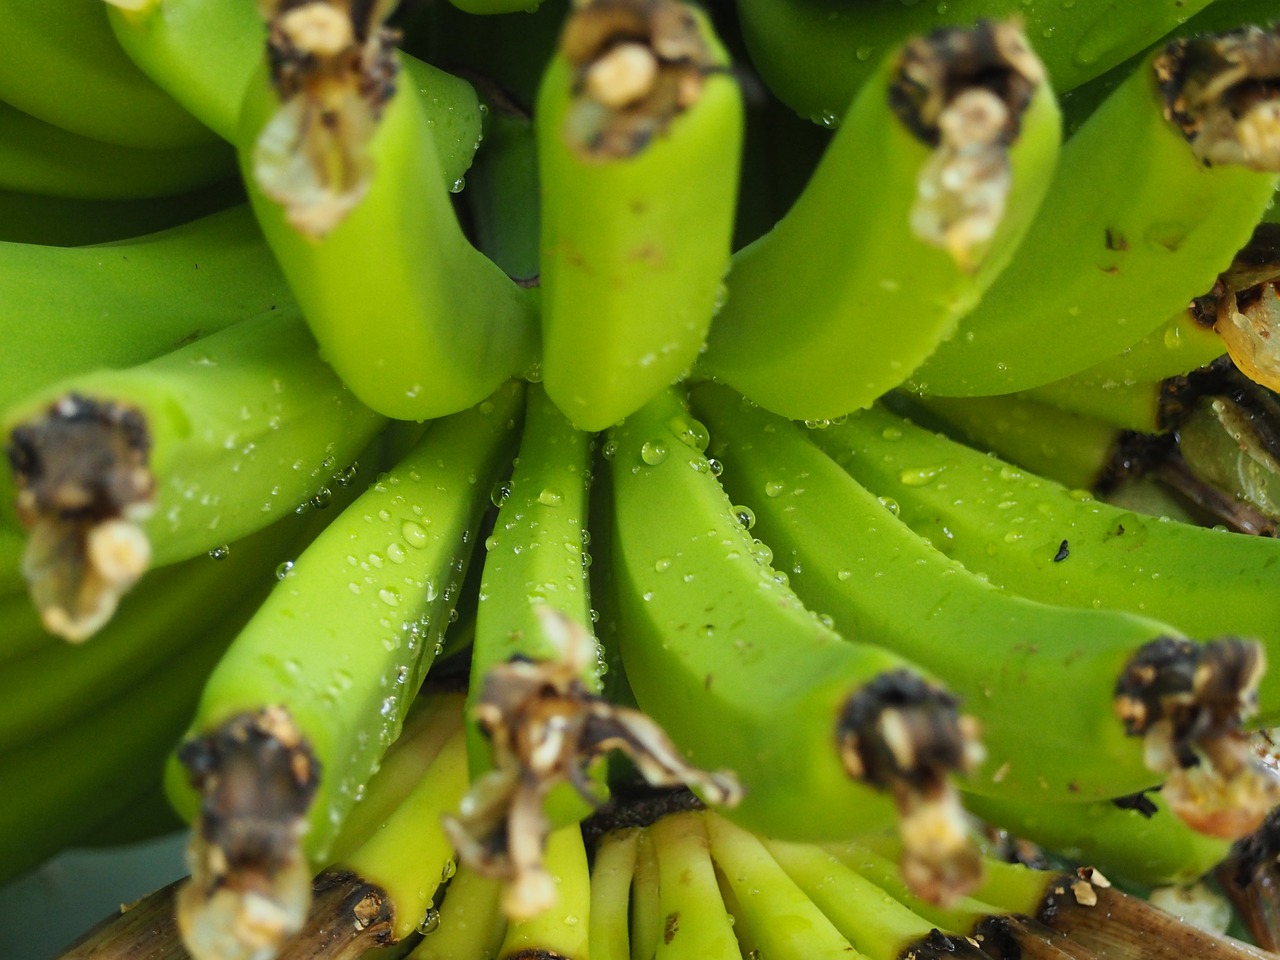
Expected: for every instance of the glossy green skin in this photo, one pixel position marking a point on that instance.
(1007, 526)
(536, 554)
(245, 425)
(37, 157)
(688, 890)
(1057, 443)
(814, 54)
(722, 654)
(63, 65)
(1039, 678)
(1125, 845)
(118, 305)
(1126, 180)
(634, 251)
(384, 572)
(418, 329)
(840, 302)
(877, 925)
(61, 786)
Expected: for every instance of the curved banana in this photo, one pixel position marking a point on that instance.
(423, 328)
(640, 131)
(63, 65)
(920, 199)
(294, 689)
(1152, 197)
(815, 54)
(1138, 840)
(119, 470)
(59, 787)
(696, 925)
(717, 649)
(471, 925)
(37, 157)
(612, 864)
(561, 930)
(1049, 543)
(1040, 679)
(120, 304)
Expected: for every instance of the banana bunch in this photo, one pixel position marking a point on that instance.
(428, 429)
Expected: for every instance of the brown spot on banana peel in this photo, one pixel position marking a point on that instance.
(546, 728)
(1223, 92)
(84, 487)
(1188, 702)
(333, 66)
(250, 884)
(964, 92)
(637, 66)
(902, 734)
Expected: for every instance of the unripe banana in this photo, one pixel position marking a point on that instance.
(815, 54)
(639, 139)
(1040, 679)
(423, 328)
(295, 713)
(612, 865)
(717, 649)
(63, 65)
(919, 201)
(119, 470)
(1152, 197)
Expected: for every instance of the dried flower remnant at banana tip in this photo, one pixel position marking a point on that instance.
(1188, 702)
(964, 92)
(546, 728)
(83, 489)
(250, 883)
(638, 65)
(334, 67)
(905, 735)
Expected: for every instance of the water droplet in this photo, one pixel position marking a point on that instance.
(864, 52)
(715, 466)
(458, 185)
(609, 450)
(662, 565)
(550, 498)
(322, 498)
(414, 534)
(745, 516)
(920, 476)
(284, 570)
(653, 452)
(430, 921)
(220, 553)
(774, 488)
(500, 493)
(395, 553)
(390, 596)
(690, 432)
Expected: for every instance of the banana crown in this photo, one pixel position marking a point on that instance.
(334, 70)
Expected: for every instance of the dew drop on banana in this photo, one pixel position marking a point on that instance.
(653, 452)
(284, 570)
(774, 488)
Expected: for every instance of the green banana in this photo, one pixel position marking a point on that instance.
(877, 925)
(1152, 197)
(57, 684)
(815, 54)
(695, 925)
(919, 201)
(67, 222)
(535, 559)
(639, 130)
(717, 649)
(561, 930)
(116, 471)
(427, 327)
(782, 920)
(502, 196)
(37, 157)
(646, 908)
(63, 65)
(1141, 842)
(120, 304)
(1049, 543)
(58, 788)
(471, 926)
(612, 865)
(1040, 679)
(292, 686)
